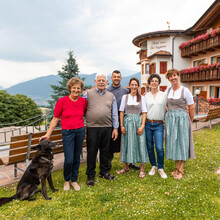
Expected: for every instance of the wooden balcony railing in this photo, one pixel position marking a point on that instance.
(143, 54)
(201, 47)
(203, 75)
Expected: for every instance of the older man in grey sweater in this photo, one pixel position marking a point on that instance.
(101, 116)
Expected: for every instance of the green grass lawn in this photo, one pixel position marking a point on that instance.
(196, 196)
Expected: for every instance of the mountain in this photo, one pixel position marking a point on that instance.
(40, 91)
(1, 88)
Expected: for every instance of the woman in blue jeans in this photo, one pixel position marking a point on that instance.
(156, 106)
(71, 109)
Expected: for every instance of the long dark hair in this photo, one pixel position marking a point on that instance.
(138, 94)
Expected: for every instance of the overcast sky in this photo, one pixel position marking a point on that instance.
(36, 35)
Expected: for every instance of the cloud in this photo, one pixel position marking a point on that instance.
(13, 72)
(100, 32)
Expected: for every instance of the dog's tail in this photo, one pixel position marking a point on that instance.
(4, 200)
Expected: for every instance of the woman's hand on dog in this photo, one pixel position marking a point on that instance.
(47, 137)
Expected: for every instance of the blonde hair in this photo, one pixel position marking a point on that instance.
(74, 81)
(170, 72)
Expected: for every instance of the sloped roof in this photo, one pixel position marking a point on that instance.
(160, 53)
(207, 19)
(143, 37)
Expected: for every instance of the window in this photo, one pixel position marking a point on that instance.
(163, 67)
(215, 59)
(147, 68)
(199, 62)
(215, 91)
(203, 92)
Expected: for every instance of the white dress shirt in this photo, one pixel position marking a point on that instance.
(177, 94)
(156, 107)
(132, 100)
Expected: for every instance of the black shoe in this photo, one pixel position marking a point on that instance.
(134, 166)
(90, 182)
(107, 176)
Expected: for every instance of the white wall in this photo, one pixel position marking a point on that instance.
(165, 43)
(156, 44)
(179, 62)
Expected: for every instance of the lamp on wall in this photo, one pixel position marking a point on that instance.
(197, 92)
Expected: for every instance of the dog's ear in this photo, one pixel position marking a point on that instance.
(36, 147)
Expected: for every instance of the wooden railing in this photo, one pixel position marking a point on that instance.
(201, 47)
(204, 75)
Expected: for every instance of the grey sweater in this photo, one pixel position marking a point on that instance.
(99, 109)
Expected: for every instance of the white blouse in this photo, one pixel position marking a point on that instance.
(177, 94)
(132, 101)
(156, 107)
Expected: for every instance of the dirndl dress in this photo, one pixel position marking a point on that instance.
(179, 139)
(133, 146)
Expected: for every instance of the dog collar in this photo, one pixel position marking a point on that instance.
(44, 158)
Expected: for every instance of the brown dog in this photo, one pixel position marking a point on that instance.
(37, 172)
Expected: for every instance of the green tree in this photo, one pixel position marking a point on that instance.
(25, 108)
(14, 108)
(69, 70)
(6, 110)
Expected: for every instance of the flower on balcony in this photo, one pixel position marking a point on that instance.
(202, 37)
(203, 68)
(213, 101)
(210, 67)
(200, 68)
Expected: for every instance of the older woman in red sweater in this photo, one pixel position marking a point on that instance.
(71, 109)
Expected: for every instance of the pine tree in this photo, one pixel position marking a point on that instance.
(69, 70)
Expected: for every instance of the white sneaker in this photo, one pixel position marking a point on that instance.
(162, 173)
(153, 170)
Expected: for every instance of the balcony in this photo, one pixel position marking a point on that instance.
(143, 54)
(199, 75)
(201, 47)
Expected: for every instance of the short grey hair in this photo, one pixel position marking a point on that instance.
(101, 74)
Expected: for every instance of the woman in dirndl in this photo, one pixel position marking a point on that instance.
(179, 142)
(132, 121)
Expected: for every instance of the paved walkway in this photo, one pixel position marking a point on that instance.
(7, 172)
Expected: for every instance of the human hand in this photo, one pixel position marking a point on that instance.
(46, 137)
(123, 131)
(115, 134)
(140, 130)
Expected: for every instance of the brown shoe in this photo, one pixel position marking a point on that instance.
(179, 176)
(142, 174)
(175, 172)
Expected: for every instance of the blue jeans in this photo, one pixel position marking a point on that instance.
(72, 146)
(154, 136)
